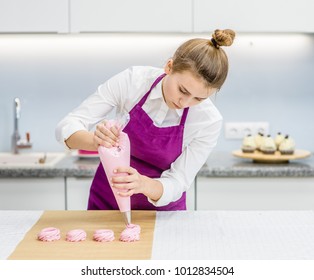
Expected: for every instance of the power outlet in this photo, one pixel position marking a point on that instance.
(237, 130)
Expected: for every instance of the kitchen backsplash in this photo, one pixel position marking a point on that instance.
(270, 79)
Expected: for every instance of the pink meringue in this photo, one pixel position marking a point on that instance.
(76, 235)
(49, 234)
(103, 235)
(130, 233)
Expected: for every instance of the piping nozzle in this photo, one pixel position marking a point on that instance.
(126, 217)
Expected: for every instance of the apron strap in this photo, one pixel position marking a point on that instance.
(184, 115)
(142, 101)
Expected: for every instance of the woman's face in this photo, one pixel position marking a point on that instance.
(182, 90)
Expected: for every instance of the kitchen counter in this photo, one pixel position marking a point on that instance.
(190, 235)
(224, 164)
(219, 164)
(69, 166)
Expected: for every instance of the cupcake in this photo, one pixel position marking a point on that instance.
(268, 146)
(278, 139)
(287, 146)
(248, 144)
(259, 139)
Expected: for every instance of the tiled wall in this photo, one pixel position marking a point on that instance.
(270, 79)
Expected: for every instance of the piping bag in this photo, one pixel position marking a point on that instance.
(112, 158)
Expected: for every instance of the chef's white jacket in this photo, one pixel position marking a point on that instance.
(123, 91)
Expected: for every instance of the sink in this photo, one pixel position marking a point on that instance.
(30, 160)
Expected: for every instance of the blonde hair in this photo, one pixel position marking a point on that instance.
(205, 58)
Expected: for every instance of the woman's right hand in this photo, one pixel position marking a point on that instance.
(106, 134)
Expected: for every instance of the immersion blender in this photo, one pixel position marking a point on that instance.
(112, 158)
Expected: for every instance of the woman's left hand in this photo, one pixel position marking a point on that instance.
(128, 181)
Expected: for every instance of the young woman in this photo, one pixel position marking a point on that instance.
(173, 125)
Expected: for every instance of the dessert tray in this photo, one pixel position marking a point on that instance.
(277, 157)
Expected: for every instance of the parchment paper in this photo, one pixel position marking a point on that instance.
(30, 248)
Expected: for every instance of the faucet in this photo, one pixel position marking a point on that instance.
(17, 142)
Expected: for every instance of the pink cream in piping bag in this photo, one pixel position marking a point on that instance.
(112, 158)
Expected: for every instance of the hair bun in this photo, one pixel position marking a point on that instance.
(223, 37)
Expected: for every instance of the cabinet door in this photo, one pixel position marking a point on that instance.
(255, 193)
(18, 16)
(32, 194)
(131, 16)
(254, 16)
(190, 197)
(77, 192)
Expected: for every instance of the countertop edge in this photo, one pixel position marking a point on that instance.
(219, 165)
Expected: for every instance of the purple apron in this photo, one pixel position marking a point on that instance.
(153, 149)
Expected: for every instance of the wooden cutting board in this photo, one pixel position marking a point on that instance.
(275, 158)
(30, 248)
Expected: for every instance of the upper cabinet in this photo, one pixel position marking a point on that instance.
(131, 16)
(34, 16)
(254, 16)
(78, 16)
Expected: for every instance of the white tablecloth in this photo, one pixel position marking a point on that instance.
(13, 226)
(234, 235)
(196, 235)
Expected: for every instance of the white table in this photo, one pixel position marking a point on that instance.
(202, 235)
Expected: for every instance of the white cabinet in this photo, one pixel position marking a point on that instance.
(255, 193)
(31, 16)
(131, 16)
(63, 16)
(254, 16)
(77, 193)
(32, 194)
